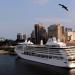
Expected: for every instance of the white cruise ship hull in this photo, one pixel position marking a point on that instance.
(55, 62)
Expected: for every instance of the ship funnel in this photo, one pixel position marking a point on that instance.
(54, 39)
(41, 42)
(26, 41)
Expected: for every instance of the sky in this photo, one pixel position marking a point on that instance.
(19, 16)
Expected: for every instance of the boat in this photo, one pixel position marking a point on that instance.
(60, 56)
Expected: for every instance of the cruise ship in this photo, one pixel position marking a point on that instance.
(52, 53)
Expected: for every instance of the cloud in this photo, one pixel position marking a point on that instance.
(41, 2)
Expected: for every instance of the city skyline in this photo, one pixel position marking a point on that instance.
(19, 16)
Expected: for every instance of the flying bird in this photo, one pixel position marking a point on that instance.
(63, 6)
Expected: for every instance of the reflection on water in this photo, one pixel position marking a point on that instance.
(36, 69)
(29, 69)
(10, 66)
(72, 72)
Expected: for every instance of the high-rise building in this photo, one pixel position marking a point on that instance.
(33, 36)
(40, 33)
(57, 31)
(68, 34)
(68, 29)
(21, 36)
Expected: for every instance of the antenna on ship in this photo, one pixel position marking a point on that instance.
(41, 42)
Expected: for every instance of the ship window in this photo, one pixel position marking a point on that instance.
(19, 46)
(27, 53)
(65, 62)
(46, 56)
(61, 57)
(42, 56)
(33, 54)
(50, 57)
(56, 57)
(38, 55)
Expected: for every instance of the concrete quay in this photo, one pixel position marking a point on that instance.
(3, 52)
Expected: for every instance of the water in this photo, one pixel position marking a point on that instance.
(10, 66)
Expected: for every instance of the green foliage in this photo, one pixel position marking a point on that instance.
(7, 42)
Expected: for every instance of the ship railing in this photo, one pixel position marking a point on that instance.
(44, 51)
(43, 55)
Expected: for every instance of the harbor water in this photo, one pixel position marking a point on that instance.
(11, 65)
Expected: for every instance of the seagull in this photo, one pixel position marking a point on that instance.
(63, 6)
